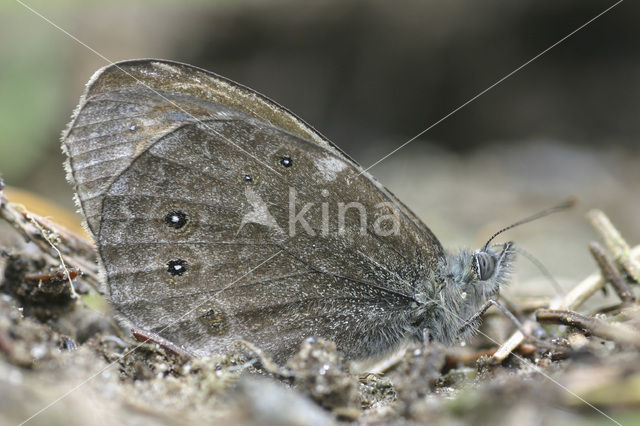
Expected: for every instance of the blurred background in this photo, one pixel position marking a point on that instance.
(370, 75)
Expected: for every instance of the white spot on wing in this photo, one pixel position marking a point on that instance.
(329, 167)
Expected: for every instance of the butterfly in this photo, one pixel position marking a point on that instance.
(219, 215)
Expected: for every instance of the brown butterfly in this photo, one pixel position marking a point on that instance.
(219, 215)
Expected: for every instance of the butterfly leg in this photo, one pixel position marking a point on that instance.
(506, 312)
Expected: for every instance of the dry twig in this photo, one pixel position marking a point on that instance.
(628, 258)
(611, 273)
(616, 244)
(60, 246)
(619, 333)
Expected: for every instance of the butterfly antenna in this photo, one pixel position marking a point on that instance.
(562, 206)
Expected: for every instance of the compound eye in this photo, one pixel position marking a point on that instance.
(486, 265)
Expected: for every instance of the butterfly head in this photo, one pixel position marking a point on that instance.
(490, 266)
(480, 274)
(477, 276)
(485, 270)
(468, 280)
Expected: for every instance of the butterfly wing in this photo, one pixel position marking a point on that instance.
(220, 215)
